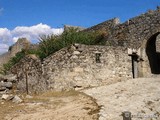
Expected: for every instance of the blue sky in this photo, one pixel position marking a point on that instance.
(75, 12)
(29, 18)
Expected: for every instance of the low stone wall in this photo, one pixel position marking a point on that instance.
(86, 66)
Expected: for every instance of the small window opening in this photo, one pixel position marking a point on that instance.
(98, 55)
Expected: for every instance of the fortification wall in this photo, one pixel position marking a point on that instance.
(133, 33)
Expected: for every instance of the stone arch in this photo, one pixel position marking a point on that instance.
(153, 54)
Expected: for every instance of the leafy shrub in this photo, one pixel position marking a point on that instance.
(52, 43)
(13, 61)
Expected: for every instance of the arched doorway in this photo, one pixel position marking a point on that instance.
(153, 53)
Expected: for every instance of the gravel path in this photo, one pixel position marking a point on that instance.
(139, 96)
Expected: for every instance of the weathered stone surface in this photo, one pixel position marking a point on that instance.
(76, 53)
(5, 97)
(10, 78)
(139, 96)
(29, 71)
(17, 99)
(6, 84)
(85, 71)
(3, 88)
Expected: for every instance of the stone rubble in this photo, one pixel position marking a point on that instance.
(6, 82)
(10, 97)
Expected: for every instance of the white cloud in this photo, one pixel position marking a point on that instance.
(3, 48)
(5, 35)
(31, 33)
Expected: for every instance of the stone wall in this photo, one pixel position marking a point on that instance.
(30, 69)
(130, 50)
(106, 26)
(134, 34)
(158, 43)
(78, 66)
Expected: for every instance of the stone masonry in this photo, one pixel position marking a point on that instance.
(136, 34)
(86, 66)
(29, 74)
(130, 51)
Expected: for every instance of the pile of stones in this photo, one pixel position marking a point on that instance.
(10, 97)
(6, 82)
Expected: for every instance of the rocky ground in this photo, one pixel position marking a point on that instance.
(50, 106)
(139, 96)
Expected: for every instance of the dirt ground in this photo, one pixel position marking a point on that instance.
(51, 106)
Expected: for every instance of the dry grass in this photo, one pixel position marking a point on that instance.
(47, 101)
(8, 107)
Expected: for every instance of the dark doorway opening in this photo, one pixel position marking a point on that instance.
(134, 58)
(153, 54)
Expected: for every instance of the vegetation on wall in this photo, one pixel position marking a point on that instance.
(48, 44)
(16, 59)
(52, 43)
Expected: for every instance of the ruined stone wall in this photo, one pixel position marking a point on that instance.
(29, 68)
(77, 67)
